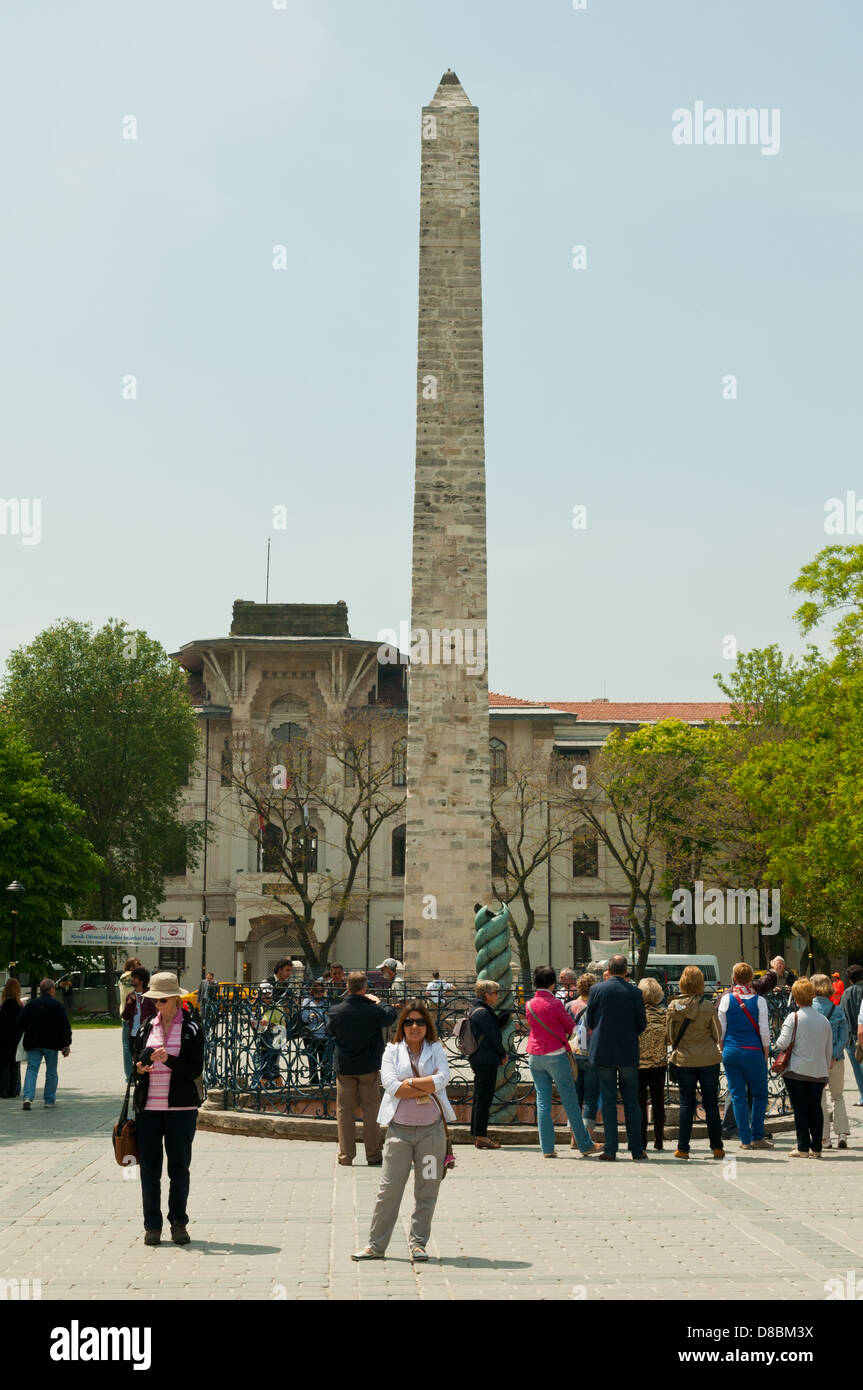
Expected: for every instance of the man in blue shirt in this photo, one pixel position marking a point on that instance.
(615, 1017)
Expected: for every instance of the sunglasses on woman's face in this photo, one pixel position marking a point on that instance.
(415, 1023)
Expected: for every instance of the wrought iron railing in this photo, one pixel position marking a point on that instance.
(269, 1052)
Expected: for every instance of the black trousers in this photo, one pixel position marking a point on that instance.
(484, 1077)
(652, 1079)
(808, 1114)
(707, 1078)
(10, 1079)
(176, 1130)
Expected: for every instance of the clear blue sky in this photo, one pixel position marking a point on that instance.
(257, 387)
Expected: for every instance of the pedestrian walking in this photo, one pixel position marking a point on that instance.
(279, 982)
(693, 1031)
(207, 985)
(810, 1038)
(486, 1025)
(10, 1011)
(169, 1059)
(852, 1001)
(745, 1043)
(617, 1017)
(414, 1073)
(547, 1048)
(834, 1112)
(587, 1081)
(44, 1026)
(316, 1039)
(136, 1011)
(653, 1061)
(357, 1025)
(437, 988)
(837, 987)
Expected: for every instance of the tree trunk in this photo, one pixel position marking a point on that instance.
(111, 995)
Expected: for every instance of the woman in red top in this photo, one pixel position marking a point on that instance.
(547, 1046)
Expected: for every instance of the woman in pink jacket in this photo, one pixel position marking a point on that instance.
(547, 1046)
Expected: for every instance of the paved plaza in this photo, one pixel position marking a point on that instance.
(278, 1219)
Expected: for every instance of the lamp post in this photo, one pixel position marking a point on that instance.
(16, 889)
(204, 924)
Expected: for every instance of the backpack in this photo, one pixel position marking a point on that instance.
(465, 1039)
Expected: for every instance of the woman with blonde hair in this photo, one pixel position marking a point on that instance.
(693, 1031)
(652, 1061)
(10, 1070)
(745, 1042)
(810, 1038)
(414, 1075)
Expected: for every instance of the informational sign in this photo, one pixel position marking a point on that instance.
(176, 934)
(620, 924)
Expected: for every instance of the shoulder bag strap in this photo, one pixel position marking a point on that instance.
(679, 1039)
(433, 1097)
(565, 1041)
(748, 1015)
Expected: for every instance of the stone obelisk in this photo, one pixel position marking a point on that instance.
(448, 846)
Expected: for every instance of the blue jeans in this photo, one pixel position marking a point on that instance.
(627, 1078)
(34, 1060)
(857, 1070)
(127, 1049)
(546, 1070)
(587, 1088)
(742, 1067)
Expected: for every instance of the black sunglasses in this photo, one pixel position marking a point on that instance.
(415, 1023)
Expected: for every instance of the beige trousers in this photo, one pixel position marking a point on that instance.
(363, 1091)
(835, 1085)
(423, 1148)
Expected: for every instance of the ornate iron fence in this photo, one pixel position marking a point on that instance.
(270, 1053)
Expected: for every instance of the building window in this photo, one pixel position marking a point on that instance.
(585, 854)
(291, 744)
(350, 766)
(679, 941)
(400, 762)
(397, 939)
(174, 862)
(497, 762)
(272, 840)
(498, 851)
(304, 844)
(583, 934)
(172, 958)
(227, 763)
(399, 835)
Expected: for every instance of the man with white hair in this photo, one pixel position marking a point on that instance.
(567, 985)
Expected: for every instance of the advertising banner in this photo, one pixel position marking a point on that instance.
(155, 934)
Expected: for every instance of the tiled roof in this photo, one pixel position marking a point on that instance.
(630, 712)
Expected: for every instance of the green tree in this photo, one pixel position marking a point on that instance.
(110, 715)
(40, 844)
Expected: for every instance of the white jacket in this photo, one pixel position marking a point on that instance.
(396, 1068)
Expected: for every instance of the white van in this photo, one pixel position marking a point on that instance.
(668, 970)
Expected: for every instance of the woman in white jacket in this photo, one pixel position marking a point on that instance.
(414, 1075)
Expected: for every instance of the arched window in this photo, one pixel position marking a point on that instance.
(498, 851)
(400, 762)
(497, 759)
(304, 845)
(272, 840)
(399, 835)
(585, 854)
(350, 766)
(290, 741)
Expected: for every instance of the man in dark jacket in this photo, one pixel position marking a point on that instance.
(357, 1025)
(851, 1001)
(615, 1017)
(44, 1024)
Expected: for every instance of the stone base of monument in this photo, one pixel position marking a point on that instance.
(302, 1124)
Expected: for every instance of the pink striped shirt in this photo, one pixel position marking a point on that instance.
(160, 1076)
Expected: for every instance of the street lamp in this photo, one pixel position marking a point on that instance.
(16, 889)
(204, 924)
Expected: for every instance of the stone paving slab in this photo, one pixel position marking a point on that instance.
(278, 1221)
